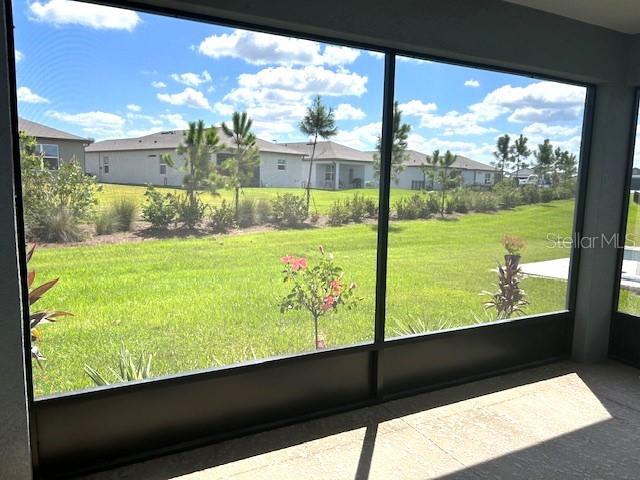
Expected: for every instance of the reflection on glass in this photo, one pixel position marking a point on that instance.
(205, 196)
(484, 170)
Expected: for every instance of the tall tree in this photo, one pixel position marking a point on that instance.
(503, 154)
(521, 153)
(430, 168)
(240, 168)
(398, 147)
(198, 145)
(319, 121)
(545, 159)
(565, 165)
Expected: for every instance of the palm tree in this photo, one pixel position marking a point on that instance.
(197, 146)
(240, 168)
(521, 152)
(317, 122)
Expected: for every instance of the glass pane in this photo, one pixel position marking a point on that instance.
(48, 150)
(229, 257)
(629, 299)
(483, 183)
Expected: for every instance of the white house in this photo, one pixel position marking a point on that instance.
(139, 161)
(335, 166)
(414, 176)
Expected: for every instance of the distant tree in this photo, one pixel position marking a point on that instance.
(398, 147)
(503, 154)
(430, 168)
(317, 122)
(565, 165)
(521, 152)
(544, 160)
(240, 168)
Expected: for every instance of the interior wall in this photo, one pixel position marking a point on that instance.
(482, 31)
(15, 454)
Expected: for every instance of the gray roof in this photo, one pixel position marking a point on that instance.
(42, 131)
(171, 139)
(417, 159)
(522, 172)
(328, 150)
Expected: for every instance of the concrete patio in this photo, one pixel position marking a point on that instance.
(563, 420)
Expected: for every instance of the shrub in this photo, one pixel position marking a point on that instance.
(509, 299)
(126, 213)
(190, 210)
(416, 206)
(546, 195)
(360, 207)
(565, 190)
(159, 209)
(289, 210)
(56, 225)
(513, 244)
(339, 213)
(246, 213)
(106, 222)
(485, 202)
(460, 202)
(264, 211)
(222, 218)
(530, 194)
(509, 196)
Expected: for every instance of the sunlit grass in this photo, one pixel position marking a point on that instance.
(200, 302)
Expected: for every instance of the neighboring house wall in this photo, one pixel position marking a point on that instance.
(412, 177)
(68, 149)
(134, 167)
(282, 170)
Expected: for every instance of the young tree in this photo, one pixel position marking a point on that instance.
(240, 168)
(398, 147)
(317, 122)
(521, 152)
(503, 154)
(440, 169)
(565, 165)
(545, 159)
(430, 168)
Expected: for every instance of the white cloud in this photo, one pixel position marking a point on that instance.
(189, 97)
(453, 122)
(132, 107)
(192, 79)
(270, 130)
(345, 111)
(375, 54)
(27, 96)
(175, 121)
(312, 79)
(417, 108)
(363, 137)
(542, 130)
(482, 152)
(19, 56)
(259, 48)
(157, 84)
(61, 12)
(97, 123)
(472, 83)
(223, 109)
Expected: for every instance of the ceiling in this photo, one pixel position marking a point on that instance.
(620, 15)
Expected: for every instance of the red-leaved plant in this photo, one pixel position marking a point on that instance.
(318, 289)
(42, 316)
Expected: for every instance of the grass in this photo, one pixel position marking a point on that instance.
(321, 200)
(201, 302)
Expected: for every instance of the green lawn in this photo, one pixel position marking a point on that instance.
(321, 200)
(207, 301)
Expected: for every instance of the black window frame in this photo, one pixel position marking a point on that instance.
(64, 440)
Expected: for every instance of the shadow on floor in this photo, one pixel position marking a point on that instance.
(605, 449)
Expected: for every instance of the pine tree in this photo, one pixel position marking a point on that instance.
(398, 147)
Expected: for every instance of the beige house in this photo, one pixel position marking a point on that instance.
(55, 145)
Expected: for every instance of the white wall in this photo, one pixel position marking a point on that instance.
(295, 173)
(134, 167)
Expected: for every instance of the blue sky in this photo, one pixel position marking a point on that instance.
(109, 73)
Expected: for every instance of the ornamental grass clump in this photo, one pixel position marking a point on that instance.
(319, 289)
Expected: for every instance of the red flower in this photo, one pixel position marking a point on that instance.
(336, 287)
(298, 263)
(287, 259)
(328, 303)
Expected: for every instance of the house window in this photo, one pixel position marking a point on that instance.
(282, 164)
(330, 173)
(105, 165)
(50, 155)
(163, 167)
(487, 179)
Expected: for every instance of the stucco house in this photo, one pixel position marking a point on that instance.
(522, 174)
(139, 161)
(335, 166)
(472, 173)
(55, 145)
